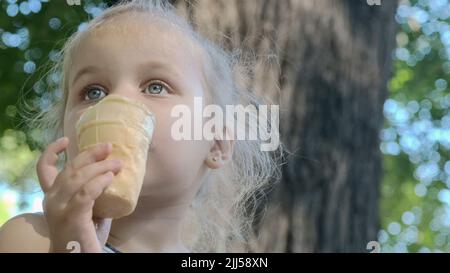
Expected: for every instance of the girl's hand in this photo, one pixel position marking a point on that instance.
(70, 195)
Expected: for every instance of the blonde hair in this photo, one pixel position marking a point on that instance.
(226, 205)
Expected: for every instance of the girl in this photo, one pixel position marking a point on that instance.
(197, 195)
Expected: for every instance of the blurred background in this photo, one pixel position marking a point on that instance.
(364, 101)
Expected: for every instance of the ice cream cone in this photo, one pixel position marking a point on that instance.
(128, 125)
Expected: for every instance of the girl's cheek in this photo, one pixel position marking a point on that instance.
(163, 129)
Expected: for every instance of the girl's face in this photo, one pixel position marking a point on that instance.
(156, 64)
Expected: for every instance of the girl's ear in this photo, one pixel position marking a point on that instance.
(220, 154)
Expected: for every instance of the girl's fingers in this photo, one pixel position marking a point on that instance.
(84, 175)
(92, 155)
(46, 165)
(83, 201)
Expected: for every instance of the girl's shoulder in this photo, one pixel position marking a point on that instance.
(25, 233)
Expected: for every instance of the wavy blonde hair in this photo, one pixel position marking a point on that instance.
(226, 205)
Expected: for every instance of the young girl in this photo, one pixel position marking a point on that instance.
(197, 195)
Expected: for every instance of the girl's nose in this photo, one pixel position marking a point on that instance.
(127, 90)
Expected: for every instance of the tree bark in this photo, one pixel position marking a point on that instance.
(326, 62)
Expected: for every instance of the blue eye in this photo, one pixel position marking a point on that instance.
(94, 93)
(154, 88)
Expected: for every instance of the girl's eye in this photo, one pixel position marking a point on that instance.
(94, 93)
(154, 88)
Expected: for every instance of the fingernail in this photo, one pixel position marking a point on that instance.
(61, 139)
(105, 145)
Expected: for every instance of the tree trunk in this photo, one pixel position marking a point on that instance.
(326, 62)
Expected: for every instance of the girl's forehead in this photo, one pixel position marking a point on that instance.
(139, 25)
(140, 36)
(127, 45)
(140, 28)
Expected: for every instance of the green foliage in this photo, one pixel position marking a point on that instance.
(42, 34)
(415, 204)
(4, 212)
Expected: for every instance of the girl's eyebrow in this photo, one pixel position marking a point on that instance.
(142, 67)
(85, 70)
